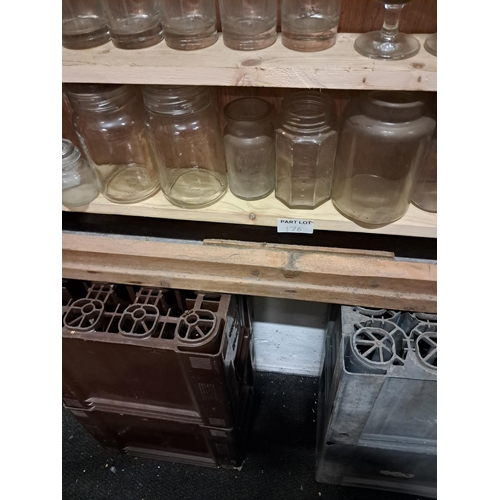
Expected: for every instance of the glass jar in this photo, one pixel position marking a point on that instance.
(134, 24)
(248, 24)
(188, 25)
(306, 141)
(383, 140)
(109, 121)
(83, 24)
(424, 194)
(185, 136)
(79, 185)
(249, 147)
(309, 25)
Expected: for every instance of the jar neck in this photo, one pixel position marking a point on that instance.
(71, 156)
(96, 98)
(175, 100)
(392, 107)
(307, 113)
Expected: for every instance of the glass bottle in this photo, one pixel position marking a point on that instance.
(188, 25)
(424, 194)
(134, 24)
(249, 147)
(185, 136)
(79, 185)
(83, 24)
(383, 140)
(109, 121)
(248, 24)
(306, 141)
(309, 25)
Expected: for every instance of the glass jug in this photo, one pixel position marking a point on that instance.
(109, 121)
(384, 137)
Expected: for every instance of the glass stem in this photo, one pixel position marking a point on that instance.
(391, 20)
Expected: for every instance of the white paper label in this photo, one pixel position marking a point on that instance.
(295, 226)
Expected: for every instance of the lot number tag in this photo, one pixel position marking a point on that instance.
(295, 226)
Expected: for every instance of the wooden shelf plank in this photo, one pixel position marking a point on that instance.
(309, 273)
(339, 67)
(232, 210)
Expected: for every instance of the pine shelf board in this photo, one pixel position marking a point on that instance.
(339, 67)
(233, 210)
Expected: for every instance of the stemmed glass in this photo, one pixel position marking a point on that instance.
(431, 44)
(388, 43)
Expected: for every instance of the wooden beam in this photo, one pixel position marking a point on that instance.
(310, 273)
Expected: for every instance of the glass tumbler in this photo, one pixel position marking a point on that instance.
(306, 142)
(309, 25)
(186, 140)
(109, 121)
(134, 24)
(188, 24)
(384, 137)
(79, 185)
(248, 24)
(388, 43)
(249, 146)
(83, 24)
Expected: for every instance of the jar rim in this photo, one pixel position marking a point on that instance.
(241, 110)
(172, 100)
(394, 100)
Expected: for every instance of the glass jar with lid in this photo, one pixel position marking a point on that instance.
(186, 141)
(306, 142)
(383, 140)
(79, 185)
(83, 24)
(309, 25)
(109, 121)
(249, 146)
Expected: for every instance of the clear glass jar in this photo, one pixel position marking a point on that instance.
(249, 147)
(383, 140)
(306, 141)
(188, 25)
(109, 121)
(248, 24)
(309, 25)
(186, 140)
(134, 24)
(83, 24)
(79, 185)
(424, 194)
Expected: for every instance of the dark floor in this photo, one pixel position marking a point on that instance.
(280, 461)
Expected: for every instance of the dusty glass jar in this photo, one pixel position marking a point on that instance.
(133, 24)
(248, 24)
(309, 25)
(83, 24)
(383, 140)
(109, 121)
(249, 147)
(79, 184)
(186, 140)
(306, 141)
(188, 25)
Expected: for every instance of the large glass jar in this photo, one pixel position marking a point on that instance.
(83, 24)
(383, 139)
(109, 120)
(188, 25)
(79, 185)
(309, 25)
(134, 24)
(248, 24)
(249, 146)
(186, 140)
(306, 141)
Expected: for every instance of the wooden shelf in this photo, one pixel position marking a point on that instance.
(231, 209)
(339, 67)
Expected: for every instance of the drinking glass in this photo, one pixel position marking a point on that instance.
(388, 43)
